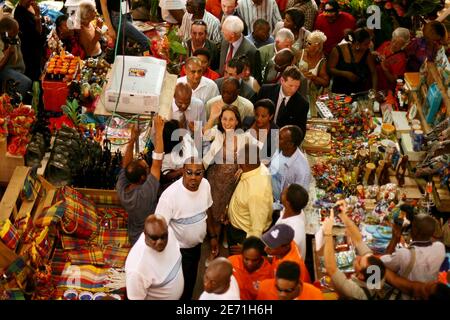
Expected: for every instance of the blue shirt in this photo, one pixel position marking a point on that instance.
(289, 170)
(259, 44)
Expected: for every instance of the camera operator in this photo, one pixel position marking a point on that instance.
(12, 65)
(32, 37)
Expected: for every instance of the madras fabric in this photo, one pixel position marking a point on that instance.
(9, 234)
(59, 261)
(112, 212)
(110, 237)
(92, 255)
(104, 199)
(84, 277)
(69, 242)
(80, 218)
(51, 214)
(115, 257)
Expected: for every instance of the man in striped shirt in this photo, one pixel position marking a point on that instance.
(195, 9)
(251, 10)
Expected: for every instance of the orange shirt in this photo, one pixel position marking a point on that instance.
(249, 282)
(293, 255)
(211, 74)
(443, 277)
(268, 291)
(214, 7)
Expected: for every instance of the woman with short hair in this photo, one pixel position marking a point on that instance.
(391, 59)
(313, 65)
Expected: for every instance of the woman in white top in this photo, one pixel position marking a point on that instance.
(220, 161)
(313, 64)
(294, 19)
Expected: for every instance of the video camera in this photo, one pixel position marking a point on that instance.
(10, 41)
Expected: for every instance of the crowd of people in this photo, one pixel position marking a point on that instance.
(236, 178)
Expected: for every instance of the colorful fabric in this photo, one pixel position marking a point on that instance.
(51, 214)
(60, 258)
(80, 218)
(69, 243)
(9, 234)
(109, 237)
(92, 255)
(115, 257)
(84, 277)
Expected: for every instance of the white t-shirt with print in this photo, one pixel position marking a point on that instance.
(185, 211)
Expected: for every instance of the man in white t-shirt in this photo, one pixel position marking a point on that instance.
(153, 266)
(219, 282)
(294, 198)
(183, 204)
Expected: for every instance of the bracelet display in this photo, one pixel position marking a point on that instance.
(157, 156)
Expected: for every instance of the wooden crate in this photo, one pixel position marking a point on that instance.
(14, 206)
(8, 162)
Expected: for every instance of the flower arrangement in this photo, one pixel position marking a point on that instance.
(169, 48)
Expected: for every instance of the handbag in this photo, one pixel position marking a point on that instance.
(80, 217)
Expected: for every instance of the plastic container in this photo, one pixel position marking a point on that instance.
(54, 95)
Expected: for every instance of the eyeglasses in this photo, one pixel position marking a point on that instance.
(164, 236)
(191, 173)
(286, 290)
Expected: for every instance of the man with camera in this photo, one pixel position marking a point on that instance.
(12, 65)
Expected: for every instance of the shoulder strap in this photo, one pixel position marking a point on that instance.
(339, 49)
(412, 261)
(352, 59)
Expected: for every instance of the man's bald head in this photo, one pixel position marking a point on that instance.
(283, 59)
(423, 227)
(218, 276)
(156, 232)
(182, 96)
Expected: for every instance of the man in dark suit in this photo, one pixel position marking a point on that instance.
(234, 44)
(199, 39)
(235, 68)
(291, 107)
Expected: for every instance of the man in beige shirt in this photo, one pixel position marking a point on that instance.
(230, 95)
(250, 208)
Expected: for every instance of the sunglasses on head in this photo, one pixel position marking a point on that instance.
(164, 236)
(196, 173)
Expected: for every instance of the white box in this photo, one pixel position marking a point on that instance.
(401, 123)
(408, 150)
(140, 88)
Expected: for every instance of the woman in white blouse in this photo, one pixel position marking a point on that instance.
(220, 161)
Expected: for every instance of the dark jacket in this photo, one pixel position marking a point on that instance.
(244, 90)
(249, 50)
(213, 51)
(296, 111)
